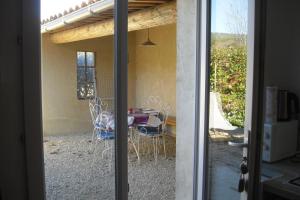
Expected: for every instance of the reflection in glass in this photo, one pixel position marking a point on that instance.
(90, 74)
(80, 74)
(90, 90)
(81, 91)
(80, 58)
(90, 59)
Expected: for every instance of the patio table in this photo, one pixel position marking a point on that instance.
(134, 118)
(141, 116)
(138, 117)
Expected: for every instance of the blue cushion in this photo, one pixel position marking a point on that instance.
(105, 135)
(149, 130)
(97, 125)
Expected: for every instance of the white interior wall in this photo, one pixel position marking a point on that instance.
(282, 47)
(282, 53)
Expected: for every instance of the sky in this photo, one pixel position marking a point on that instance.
(228, 14)
(224, 12)
(52, 7)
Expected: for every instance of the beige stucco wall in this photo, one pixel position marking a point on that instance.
(156, 66)
(63, 113)
(152, 71)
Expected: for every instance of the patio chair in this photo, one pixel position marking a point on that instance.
(155, 130)
(100, 102)
(95, 109)
(96, 106)
(101, 130)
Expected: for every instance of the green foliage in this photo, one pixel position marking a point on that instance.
(228, 77)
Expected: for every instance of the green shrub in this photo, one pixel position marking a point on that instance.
(228, 77)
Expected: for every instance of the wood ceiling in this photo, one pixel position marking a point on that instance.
(133, 6)
(150, 17)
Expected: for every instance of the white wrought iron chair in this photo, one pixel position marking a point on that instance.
(155, 130)
(95, 110)
(101, 130)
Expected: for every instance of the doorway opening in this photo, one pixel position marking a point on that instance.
(78, 100)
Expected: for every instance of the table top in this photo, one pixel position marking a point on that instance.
(141, 116)
(279, 174)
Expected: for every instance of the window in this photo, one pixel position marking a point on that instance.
(86, 79)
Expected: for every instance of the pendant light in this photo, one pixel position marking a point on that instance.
(148, 42)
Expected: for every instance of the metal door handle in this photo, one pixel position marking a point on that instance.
(238, 144)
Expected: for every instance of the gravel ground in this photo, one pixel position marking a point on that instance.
(74, 173)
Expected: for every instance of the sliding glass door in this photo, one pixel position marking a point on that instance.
(177, 132)
(228, 99)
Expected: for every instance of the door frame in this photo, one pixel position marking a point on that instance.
(33, 101)
(121, 93)
(30, 40)
(202, 99)
(253, 124)
(257, 24)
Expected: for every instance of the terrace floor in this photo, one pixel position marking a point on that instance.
(74, 173)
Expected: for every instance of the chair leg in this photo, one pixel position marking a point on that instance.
(153, 141)
(135, 149)
(148, 146)
(103, 150)
(92, 145)
(106, 148)
(138, 147)
(164, 143)
(111, 156)
(155, 148)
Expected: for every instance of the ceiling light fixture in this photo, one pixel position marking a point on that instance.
(148, 42)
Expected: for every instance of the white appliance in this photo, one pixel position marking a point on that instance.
(280, 140)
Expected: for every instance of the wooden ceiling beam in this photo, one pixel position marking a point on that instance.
(149, 1)
(138, 5)
(151, 17)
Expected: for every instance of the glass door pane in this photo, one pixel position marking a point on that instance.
(161, 99)
(152, 55)
(78, 101)
(228, 67)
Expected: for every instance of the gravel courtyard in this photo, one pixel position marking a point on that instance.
(73, 173)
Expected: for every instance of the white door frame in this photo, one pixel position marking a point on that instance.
(202, 99)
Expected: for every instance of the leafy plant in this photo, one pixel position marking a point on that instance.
(228, 77)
